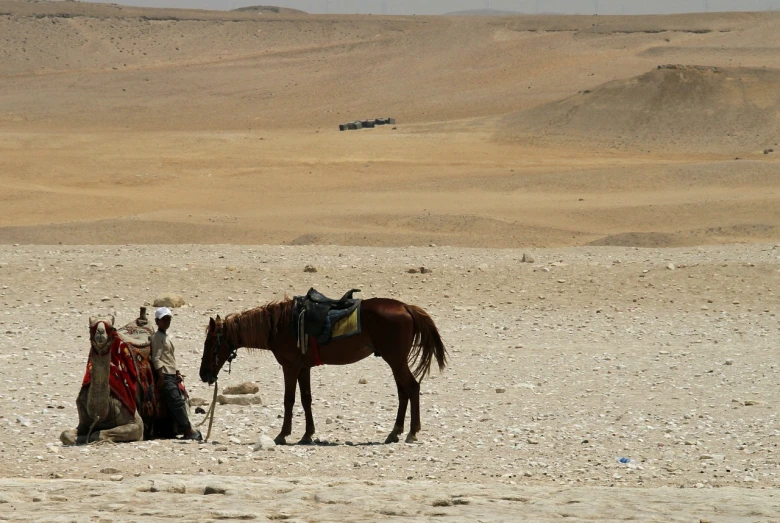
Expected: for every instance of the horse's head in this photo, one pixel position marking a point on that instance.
(101, 334)
(216, 350)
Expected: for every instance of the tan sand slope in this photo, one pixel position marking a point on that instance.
(122, 124)
(263, 9)
(671, 108)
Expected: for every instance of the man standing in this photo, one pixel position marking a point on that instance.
(164, 363)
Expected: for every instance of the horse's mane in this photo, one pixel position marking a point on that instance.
(256, 328)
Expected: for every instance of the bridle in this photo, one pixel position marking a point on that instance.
(231, 355)
(110, 332)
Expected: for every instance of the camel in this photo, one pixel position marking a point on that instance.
(119, 400)
(102, 416)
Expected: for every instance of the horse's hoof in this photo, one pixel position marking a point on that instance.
(306, 440)
(411, 438)
(280, 440)
(392, 438)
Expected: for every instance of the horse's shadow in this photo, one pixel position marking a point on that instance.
(326, 443)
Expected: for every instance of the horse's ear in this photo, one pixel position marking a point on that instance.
(218, 317)
(91, 321)
(113, 320)
(212, 325)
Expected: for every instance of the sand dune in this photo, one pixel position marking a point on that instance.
(207, 126)
(672, 108)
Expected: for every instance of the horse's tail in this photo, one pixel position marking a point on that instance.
(426, 343)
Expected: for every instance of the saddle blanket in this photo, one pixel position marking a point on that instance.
(123, 374)
(346, 326)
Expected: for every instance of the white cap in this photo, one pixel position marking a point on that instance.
(162, 312)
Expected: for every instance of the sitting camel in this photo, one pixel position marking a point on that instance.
(103, 416)
(119, 400)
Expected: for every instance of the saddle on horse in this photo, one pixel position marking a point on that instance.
(324, 318)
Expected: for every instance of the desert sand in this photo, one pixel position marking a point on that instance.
(633, 160)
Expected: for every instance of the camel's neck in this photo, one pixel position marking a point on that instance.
(99, 393)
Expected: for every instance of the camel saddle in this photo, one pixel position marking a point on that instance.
(137, 335)
(316, 315)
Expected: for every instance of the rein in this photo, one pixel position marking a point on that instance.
(213, 407)
(211, 412)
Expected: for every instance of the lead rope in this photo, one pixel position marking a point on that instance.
(89, 433)
(210, 413)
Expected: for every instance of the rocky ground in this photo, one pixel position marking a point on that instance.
(559, 367)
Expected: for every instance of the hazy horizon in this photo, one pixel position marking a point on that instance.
(433, 7)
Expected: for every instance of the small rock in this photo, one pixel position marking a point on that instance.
(198, 402)
(425, 270)
(169, 300)
(239, 400)
(109, 470)
(750, 403)
(116, 477)
(24, 422)
(500, 391)
(362, 381)
(265, 443)
(413, 270)
(729, 362)
(214, 490)
(527, 258)
(671, 266)
(310, 268)
(328, 421)
(244, 388)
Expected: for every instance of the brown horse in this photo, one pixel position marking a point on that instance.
(402, 334)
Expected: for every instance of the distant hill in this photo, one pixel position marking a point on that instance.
(483, 12)
(271, 9)
(674, 108)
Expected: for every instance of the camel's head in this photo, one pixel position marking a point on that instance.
(101, 332)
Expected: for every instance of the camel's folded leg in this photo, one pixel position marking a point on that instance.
(130, 432)
(69, 437)
(133, 431)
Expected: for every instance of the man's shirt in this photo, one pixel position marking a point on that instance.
(162, 353)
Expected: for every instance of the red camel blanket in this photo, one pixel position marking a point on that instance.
(123, 375)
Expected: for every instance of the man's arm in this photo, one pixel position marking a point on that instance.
(156, 350)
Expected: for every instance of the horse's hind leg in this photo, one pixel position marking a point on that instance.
(413, 390)
(398, 428)
(304, 381)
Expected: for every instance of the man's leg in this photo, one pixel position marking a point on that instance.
(175, 402)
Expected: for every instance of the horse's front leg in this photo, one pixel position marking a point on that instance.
(290, 376)
(304, 381)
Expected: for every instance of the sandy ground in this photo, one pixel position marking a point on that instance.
(150, 151)
(558, 369)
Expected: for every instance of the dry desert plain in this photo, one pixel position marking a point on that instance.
(150, 151)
